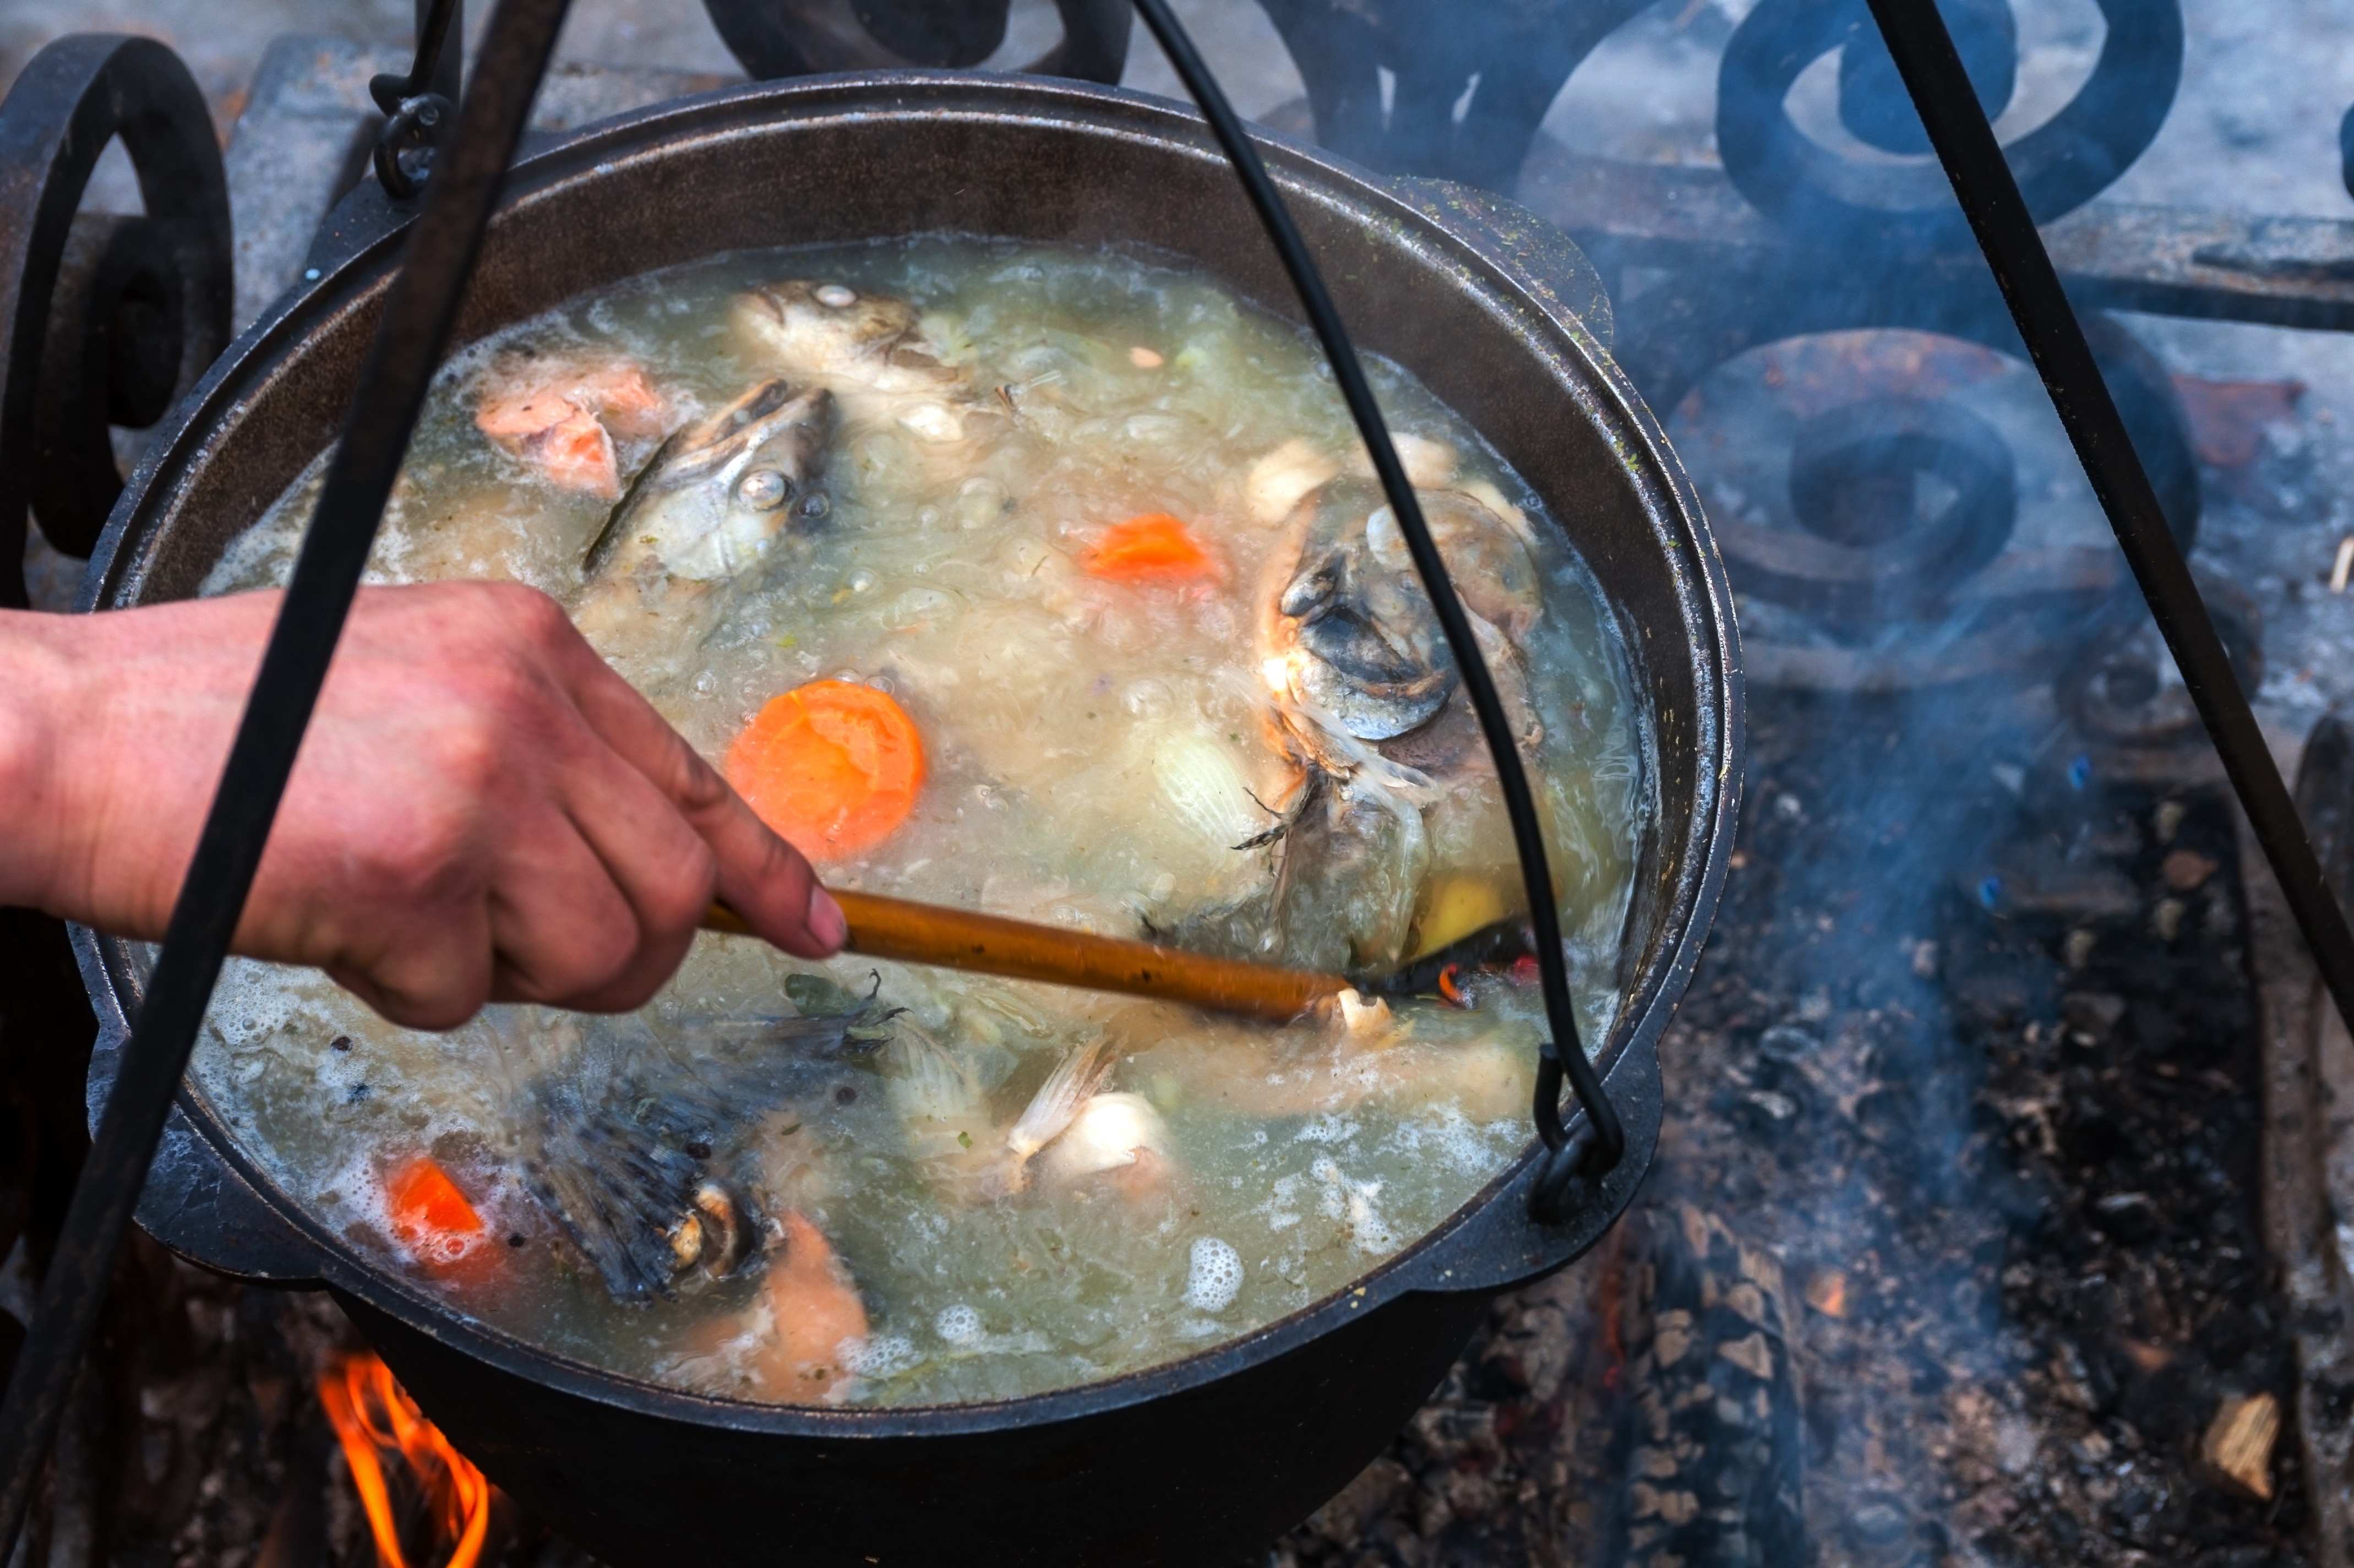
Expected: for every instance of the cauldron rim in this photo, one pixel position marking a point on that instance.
(347, 284)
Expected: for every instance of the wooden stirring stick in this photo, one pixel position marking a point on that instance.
(913, 932)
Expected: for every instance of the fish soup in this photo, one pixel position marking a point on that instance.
(1046, 584)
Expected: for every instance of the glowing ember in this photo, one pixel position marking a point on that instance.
(376, 1421)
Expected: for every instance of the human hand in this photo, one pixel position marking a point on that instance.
(482, 809)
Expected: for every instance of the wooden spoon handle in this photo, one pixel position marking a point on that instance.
(902, 929)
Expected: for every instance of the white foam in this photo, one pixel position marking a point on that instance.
(1452, 1138)
(959, 1324)
(877, 1355)
(254, 999)
(1325, 1129)
(1357, 1205)
(1215, 1277)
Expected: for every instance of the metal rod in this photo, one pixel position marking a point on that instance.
(420, 309)
(1564, 1053)
(1965, 143)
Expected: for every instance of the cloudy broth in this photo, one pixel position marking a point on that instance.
(1107, 743)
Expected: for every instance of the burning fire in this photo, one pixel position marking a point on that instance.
(374, 1418)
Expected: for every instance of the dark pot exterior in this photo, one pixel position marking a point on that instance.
(1205, 1475)
(1204, 1459)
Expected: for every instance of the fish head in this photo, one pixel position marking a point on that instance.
(824, 331)
(722, 488)
(1487, 555)
(1348, 871)
(1355, 636)
(649, 1152)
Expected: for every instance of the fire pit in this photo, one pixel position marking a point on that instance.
(1194, 1461)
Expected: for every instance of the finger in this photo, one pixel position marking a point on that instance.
(653, 854)
(430, 973)
(768, 883)
(562, 932)
(761, 876)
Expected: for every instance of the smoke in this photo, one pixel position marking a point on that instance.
(1974, 907)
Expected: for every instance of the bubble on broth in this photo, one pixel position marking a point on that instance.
(1213, 1277)
(1101, 752)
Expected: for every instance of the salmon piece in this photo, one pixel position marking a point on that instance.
(510, 420)
(564, 419)
(624, 400)
(576, 453)
(817, 1310)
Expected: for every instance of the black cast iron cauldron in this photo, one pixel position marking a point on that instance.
(1202, 1460)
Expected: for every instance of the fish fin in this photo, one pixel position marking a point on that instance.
(619, 1162)
(1282, 824)
(931, 1083)
(615, 1197)
(601, 548)
(1058, 1099)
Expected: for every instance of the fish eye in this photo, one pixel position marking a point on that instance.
(836, 297)
(764, 489)
(815, 504)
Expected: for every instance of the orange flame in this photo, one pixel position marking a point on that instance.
(373, 1418)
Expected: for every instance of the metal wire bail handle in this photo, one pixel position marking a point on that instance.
(1562, 1181)
(1570, 1162)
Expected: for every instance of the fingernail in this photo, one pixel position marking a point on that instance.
(826, 921)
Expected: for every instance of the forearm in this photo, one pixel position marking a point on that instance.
(113, 731)
(43, 834)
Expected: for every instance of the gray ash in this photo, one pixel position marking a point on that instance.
(1953, 1253)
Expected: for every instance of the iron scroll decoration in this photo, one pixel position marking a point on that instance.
(1502, 74)
(797, 37)
(2003, 225)
(1813, 191)
(107, 320)
(1865, 245)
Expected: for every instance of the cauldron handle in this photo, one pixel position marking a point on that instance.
(1498, 1245)
(196, 1201)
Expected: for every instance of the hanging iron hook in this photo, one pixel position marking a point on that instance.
(416, 114)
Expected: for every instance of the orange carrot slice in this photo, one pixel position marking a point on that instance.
(832, 766)
(430, 1217)
(1153, 547)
